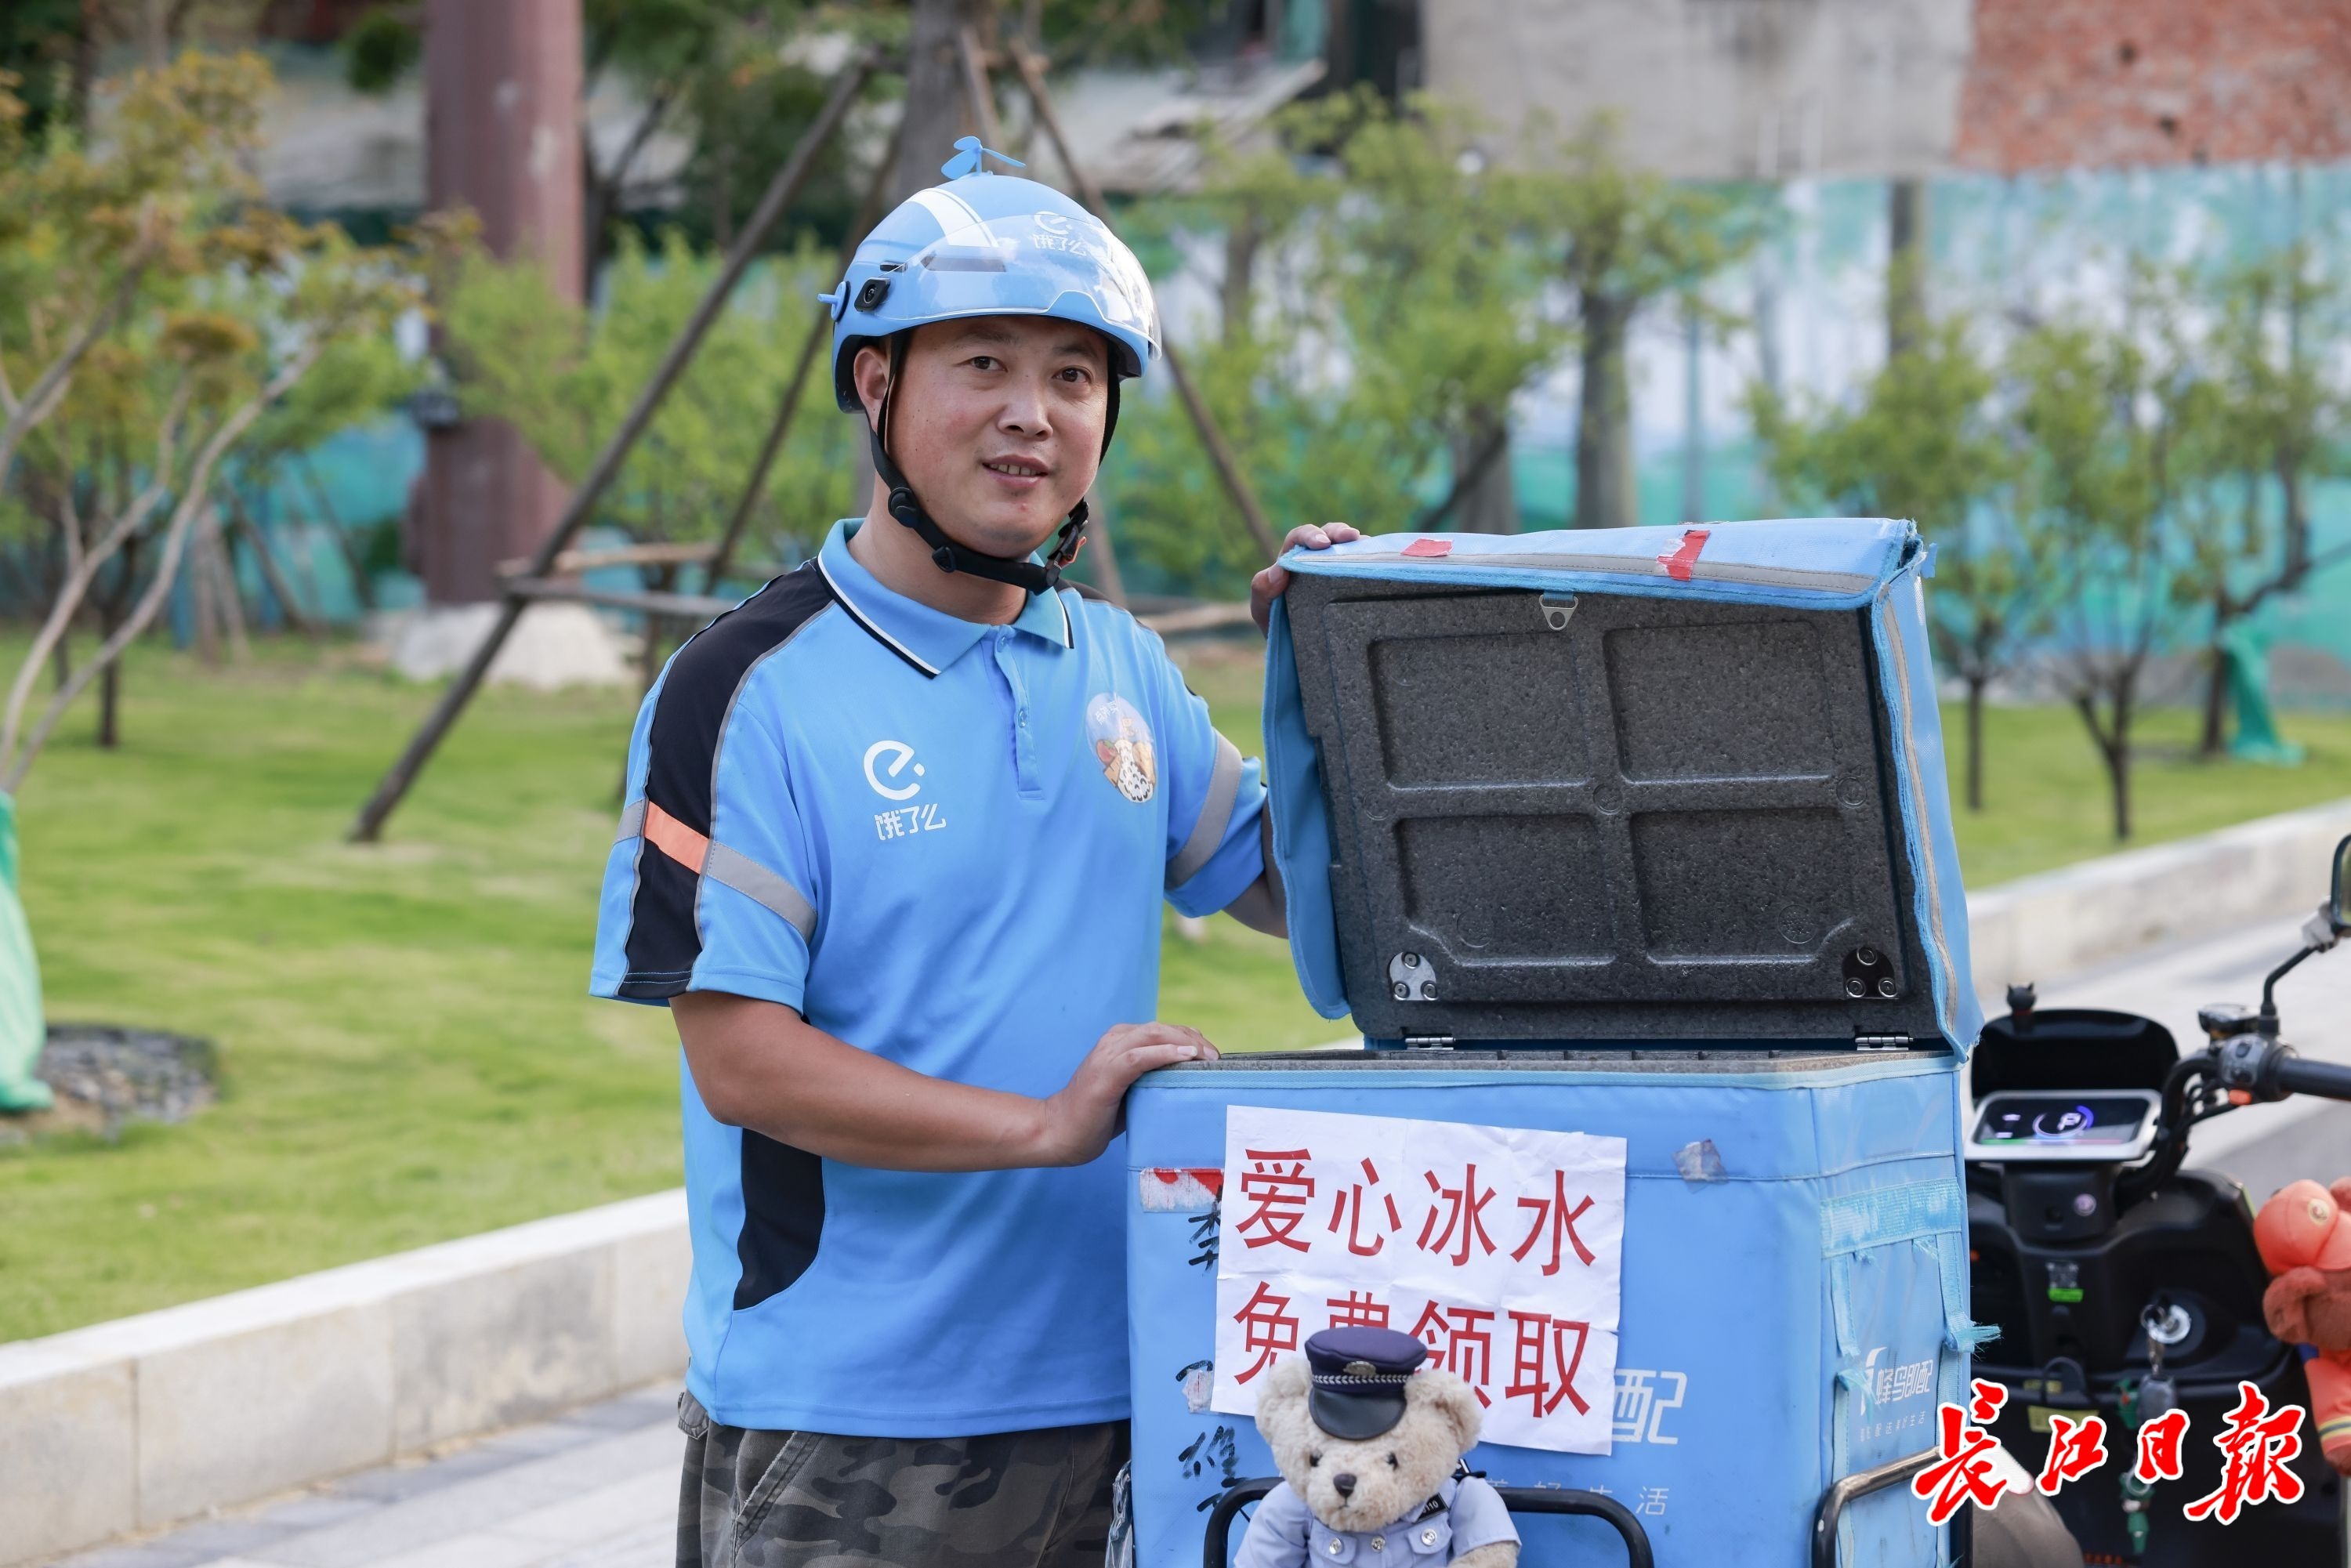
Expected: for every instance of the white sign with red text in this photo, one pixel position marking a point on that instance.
(1499, 1248)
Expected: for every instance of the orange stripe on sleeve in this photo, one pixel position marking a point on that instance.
(675, 838)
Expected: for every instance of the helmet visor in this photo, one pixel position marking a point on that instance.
(1030, 264)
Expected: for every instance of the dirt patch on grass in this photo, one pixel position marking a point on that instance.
(105, 1076)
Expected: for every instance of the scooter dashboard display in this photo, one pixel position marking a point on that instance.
(2107, 1124)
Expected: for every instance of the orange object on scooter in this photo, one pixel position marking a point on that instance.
(2305, 1236)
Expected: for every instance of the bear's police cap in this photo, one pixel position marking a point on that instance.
(1356, 1379)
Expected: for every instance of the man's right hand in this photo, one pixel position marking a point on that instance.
(760, 1065)
(1087, 1114)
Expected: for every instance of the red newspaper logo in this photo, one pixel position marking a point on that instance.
(1280, 1196)
(1464, 1208)
(1541, 1351)
(2158, 1448)
(1269, 1329)
(1963, 1473)
(2254, 1445)
(1348, 1204)
(1553, 1215)
(2075, 1448)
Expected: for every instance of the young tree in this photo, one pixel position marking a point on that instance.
(1921, 442)
(2123, 438)
(151, 319)
(2275, 326)
(183, 386)
(1632, 235)
(1396, 303)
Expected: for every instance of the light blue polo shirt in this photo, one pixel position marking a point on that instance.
(944, 842)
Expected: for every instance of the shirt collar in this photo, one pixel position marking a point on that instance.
(928, 639)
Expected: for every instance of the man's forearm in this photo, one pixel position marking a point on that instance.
(759, 1065)
(1262, 906)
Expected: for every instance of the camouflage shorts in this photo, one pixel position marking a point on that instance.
(803, 1500)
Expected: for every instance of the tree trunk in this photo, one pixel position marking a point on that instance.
(1241, 242)
(228, 596)
(648, 659)
(2114, 744)
(201, 589)
(111, 609)
(2296, 523)
(109, 706)
(935, 112)
(1693, 417)
(1906, 265)
(2118, 770)
(1603, 429)
(1490, 504)
(2215, 736)
(1976, 684)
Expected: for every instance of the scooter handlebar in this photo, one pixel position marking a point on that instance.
(2298, 1075)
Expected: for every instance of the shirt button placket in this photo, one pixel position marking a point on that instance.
(1024, 745)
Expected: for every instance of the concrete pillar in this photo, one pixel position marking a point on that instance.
(502, 137)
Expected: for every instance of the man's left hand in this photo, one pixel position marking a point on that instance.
(1268, 585)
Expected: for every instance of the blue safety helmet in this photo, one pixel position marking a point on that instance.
(987, 245)
(990, 245)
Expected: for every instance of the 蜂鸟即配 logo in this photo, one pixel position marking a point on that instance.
(1121, 744)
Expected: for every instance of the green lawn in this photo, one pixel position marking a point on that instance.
(408, 1052)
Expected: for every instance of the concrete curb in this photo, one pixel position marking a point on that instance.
(2039, 927)
(137, 1423)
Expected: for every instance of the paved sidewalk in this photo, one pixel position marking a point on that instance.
(597, 1489)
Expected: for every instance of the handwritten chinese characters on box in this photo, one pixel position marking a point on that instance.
(1499, 1248)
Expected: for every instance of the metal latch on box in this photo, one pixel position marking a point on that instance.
(1881, 1041)
(1557, 608)
(1428, 1042)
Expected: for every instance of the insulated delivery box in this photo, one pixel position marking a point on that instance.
(1629, 853)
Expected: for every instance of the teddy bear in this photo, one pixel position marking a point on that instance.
(2305, 1236)
(1370, 1450)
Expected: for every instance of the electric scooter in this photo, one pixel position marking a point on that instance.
(2123, 1283)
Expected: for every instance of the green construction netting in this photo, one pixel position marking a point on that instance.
(21, 1030)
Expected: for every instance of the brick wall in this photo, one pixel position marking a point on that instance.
(2097, 83)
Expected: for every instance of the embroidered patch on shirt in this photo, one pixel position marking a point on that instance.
(1123, 744)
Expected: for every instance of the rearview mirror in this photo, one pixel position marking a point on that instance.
(2338, 904)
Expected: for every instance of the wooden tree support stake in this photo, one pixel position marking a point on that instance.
(1229, 468)
(779, 195)
(869, 212)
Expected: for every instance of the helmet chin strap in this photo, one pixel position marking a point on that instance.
(945, 553)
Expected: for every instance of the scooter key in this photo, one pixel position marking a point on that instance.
(2158, 1396)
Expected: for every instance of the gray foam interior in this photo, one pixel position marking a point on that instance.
(1669, 819)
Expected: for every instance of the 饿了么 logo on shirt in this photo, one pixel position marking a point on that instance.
(901, 753)
(906, 820)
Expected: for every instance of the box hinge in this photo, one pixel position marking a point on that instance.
(1881, 1041)
(1428, 1042)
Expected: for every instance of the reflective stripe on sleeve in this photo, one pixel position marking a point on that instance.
(726, 867)
(762, 886)
(1216, 815)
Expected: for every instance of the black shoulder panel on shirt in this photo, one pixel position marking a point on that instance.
(682, 748)
(783, 1216)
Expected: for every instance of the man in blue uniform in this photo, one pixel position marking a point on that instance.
(897, 830)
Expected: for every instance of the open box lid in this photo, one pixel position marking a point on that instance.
(1633, 785)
